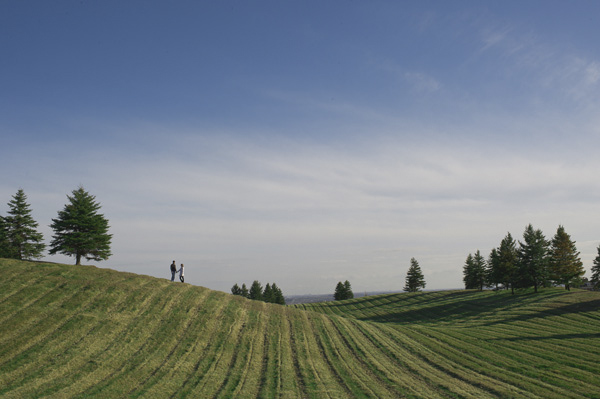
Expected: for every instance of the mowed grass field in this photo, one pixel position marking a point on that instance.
(81, 331)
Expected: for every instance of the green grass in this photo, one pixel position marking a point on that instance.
(81, 331)
(539, 345)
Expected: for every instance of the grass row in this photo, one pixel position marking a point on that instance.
(526, 345)
(79, 332)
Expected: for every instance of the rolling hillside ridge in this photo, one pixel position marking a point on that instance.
(81, 331)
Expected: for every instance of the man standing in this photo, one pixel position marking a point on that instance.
(173, 270)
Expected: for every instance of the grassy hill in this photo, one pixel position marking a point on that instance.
(80, 331)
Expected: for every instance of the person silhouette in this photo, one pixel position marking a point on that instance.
(173, 270)
(181, 273)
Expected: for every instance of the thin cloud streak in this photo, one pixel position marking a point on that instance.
(291, 206)
(550, 66)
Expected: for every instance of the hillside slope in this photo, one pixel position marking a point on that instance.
(547, 344)
(81, 331)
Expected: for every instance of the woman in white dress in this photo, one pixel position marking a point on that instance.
(181, 273)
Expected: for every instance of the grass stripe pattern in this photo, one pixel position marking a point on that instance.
(81, 332)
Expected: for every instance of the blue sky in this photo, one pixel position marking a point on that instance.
(305, 142)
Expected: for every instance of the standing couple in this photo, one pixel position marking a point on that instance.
(174, 270)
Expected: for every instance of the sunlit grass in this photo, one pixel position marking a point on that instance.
(82, 331)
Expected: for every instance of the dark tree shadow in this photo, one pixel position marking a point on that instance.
(556, 336)
(465, 306)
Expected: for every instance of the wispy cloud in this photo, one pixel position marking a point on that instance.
(549, 66)
(244, 203)
(238, 209)
(493, 37)
(418, 81)
(580, 78)
(422, 82)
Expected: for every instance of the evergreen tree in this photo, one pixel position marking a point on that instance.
(474, 272)
(4, 244)
(479, 270)
(277, 295)
(468, 273)
(565, 264)
(343, 291)
(236, 290)
(24, 241)
(348, 290)
(256, 291)
(340, 292)
(271, 293)
(507, 273)
(533, 259)
(268, 294)
(245, 292)
(492, 275)
(80, 230)
(414, 277)
(595, 279)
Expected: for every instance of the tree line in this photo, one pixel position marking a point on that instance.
(414, 282)
(271, 293)
(534, 262)
(79, 230)
(82, 232)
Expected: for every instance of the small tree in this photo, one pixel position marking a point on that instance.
(277, 295)
(348, 290)
(245, 292)
(271, 294)
(24, 241)
(564, 262)
(256, 291)
(479, 270)
(236, 290)
(474, 273)
(595, 279)
(414, 277)
(468, 273)
(80, 230)
(492, 275)
(339, 293)
(4, 244)
(268, 294)
(343, 291)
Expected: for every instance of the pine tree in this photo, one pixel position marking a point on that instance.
(236, 290)
(479, 270)
(474, 272)
(414, 277)
(277, 295)
(533, 259)
(492, 275)
(268, 294)
(256, 291)
(508, 262)
(4, 244)
(245, 292)
(468, 273)
(24, 241)
(343, 291)
(80, 230)
(595, 279)
(564, 262)
(348, 290)
(340, 292)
